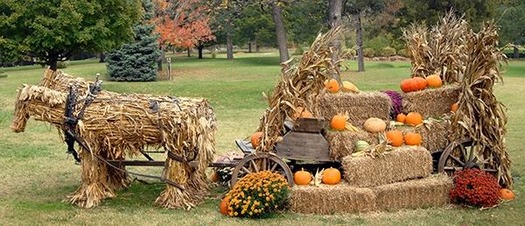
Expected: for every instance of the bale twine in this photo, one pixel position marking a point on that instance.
(400, 164)
(442, 98)
(331, 199)
(360, 106)
(432, 191)
(342, 143)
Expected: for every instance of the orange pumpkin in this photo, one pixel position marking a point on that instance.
(412, 138)
(256, 139)
(454, 107)
(302, 177)
(408, 85)
(506, 194)
(414, 118)
(434, 81)
(421, 83)
(332, 85)
(401, 117)
(225, 202)
(331, 176)
(395, 137)
(338, 122)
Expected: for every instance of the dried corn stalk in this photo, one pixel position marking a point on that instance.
(480, 115)
(299, 85)
(441, 50)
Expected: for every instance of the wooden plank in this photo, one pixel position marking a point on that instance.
(303, 146)
(135, 163)
(312, 125)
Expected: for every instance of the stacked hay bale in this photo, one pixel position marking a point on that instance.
(441, 100)
(117, 126)
(398, 179)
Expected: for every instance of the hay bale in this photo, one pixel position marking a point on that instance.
(442, 98)
(360, 106)
(330, 199)
(342, 142)
(400, 164)
(420, 193)
(435, 134)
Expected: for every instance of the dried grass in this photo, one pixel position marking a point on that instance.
(331, 199)
(360, 106)
(421, 193)
(120, 126)
(400, 164)
(431, 102)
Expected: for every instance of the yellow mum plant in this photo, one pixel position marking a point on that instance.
(257, 194)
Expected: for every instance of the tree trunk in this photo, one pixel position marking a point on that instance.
(229, 46)
(161, 58)
(250, 47)
(359, 42)
(52, 60)
(516, 52)
(336, 11)
(188, 50)
(280, 32)
(200, 47)
(102, 58)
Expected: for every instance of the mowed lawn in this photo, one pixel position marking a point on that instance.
(36, 174)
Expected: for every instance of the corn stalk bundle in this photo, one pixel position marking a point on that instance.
(299, 86)
(117, 127)
(480, 115)
(441, 50)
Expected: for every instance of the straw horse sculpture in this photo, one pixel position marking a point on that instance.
(117, 126)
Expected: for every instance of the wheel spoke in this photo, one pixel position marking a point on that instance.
(274, 166)
(452, 168)
(263, 164)
(254, 165)
(457, 160)
(246, 170)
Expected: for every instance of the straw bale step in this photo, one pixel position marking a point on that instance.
(400, 164)
(343, 198)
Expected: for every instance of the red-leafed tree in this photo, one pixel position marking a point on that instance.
(183, 23)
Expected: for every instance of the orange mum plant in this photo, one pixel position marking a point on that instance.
(257, 194)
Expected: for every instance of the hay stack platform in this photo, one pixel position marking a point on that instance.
(399, 180)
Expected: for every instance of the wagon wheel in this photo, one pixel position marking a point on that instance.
(260, 162)
(461, 154)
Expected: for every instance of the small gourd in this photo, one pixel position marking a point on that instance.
(374, 125)
(401, 117)
(361, 145)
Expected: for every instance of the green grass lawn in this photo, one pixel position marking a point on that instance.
(36, 173)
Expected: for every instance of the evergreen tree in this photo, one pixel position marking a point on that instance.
(137, 61)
